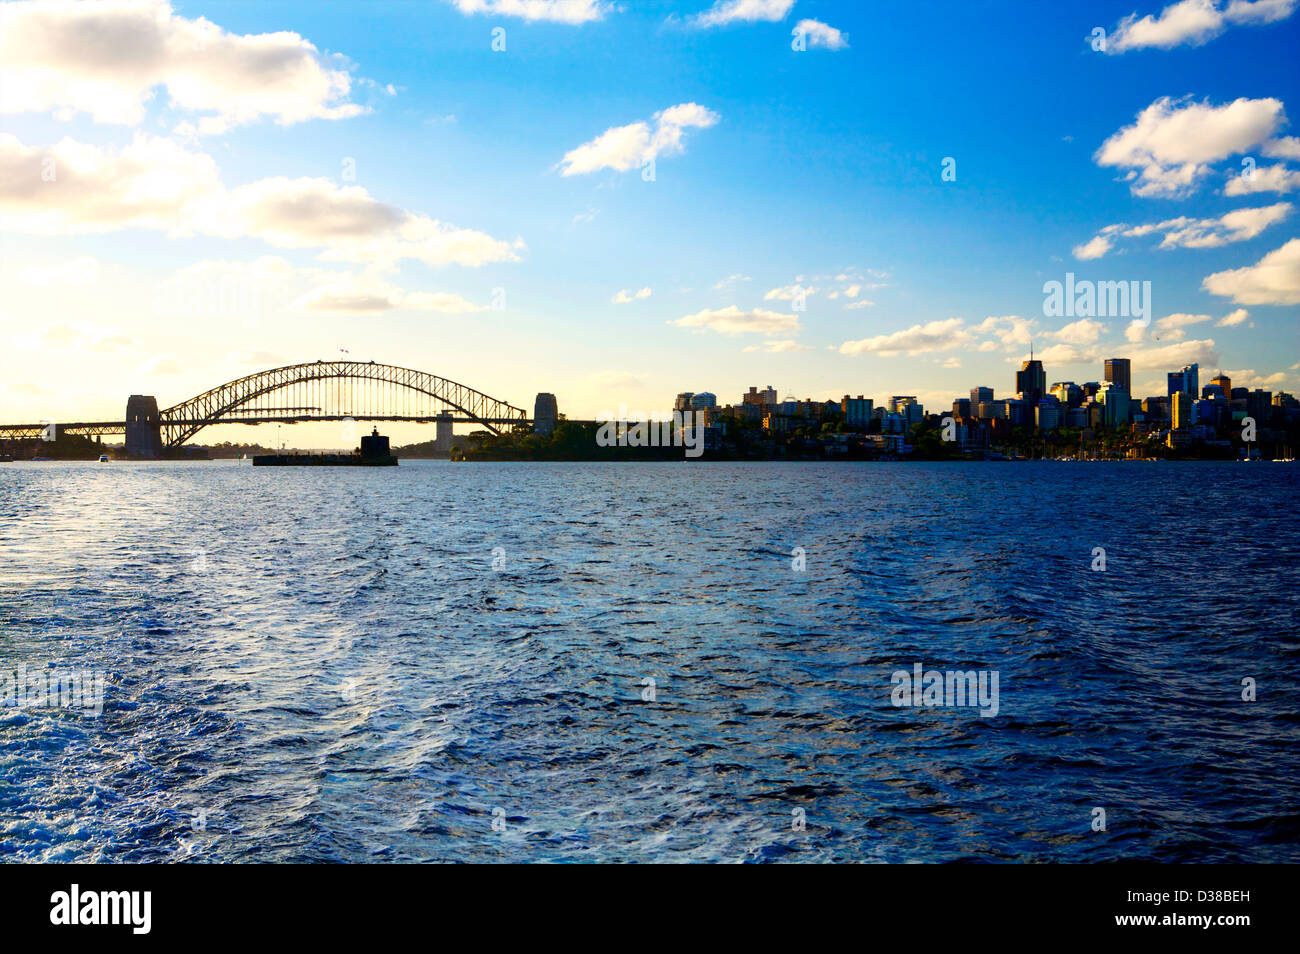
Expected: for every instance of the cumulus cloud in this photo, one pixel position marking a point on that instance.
(555, 11)
(943, 335)
(1238, 225)
(108, 58)
(822, 35)
(624, 147)
(733, 321)
(1081, 332)
(156, 183)
(1167, 151)
(743, 11)
(1273, 280)
(1284, 147)
(1193, 22)
(1232, 318)
(1275, 178)
(625, 295)
(1171, 326)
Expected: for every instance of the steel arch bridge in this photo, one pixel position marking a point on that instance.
(319, 391)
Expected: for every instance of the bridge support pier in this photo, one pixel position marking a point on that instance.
(545, 413)
(443, 435)
(143, 427)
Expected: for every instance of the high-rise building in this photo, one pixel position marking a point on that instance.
(1031, 381)
(703, 400)
(1185, 381)
(760, 398)
(1116, 409)
(961, 408)
(980, 396)
(856, 411)
(1068, 393)
(1180, 408)
(683, 402)
(1225, 382)
(1119, 373)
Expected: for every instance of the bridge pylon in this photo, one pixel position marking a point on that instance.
(143, 427)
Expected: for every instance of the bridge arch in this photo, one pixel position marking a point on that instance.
(385, 390)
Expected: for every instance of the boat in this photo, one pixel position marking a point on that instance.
(103, 458)
(373, 452)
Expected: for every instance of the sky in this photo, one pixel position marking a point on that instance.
(619, 201)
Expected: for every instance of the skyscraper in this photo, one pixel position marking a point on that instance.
(1225, 382)
(1185, 381)
(1031, 380)
(1119, 373)
(980, 396)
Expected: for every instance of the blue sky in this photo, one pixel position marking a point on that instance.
(817, 168)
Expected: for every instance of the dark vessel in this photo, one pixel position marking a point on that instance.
(373, 453)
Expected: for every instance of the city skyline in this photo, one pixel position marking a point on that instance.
(739, 211)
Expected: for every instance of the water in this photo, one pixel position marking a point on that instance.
(317, 665)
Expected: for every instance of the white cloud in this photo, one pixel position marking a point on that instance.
(1193, 22)
(1081, 332)
(860, 303)
(156, 183)
(622, 147)
(789, 292)
(107, 58)
(1284, 147)
(743, 11)
(1168, 149)
(941, 335)
(1238, 225)
(1171, 326)
(823, 35)
(1273, 280)
(1275, 178)
(779, 347)
(732, 321)
(1232, 318)
(555, 11)
(1095, 247)
(624, 296)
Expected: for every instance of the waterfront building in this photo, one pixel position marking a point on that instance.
(1119, 373)
(1115, 408)
(1031, 381)
(980, 396)
(1180, 408)
(1184, 381)
(856, 411)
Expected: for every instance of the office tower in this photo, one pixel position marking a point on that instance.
(1225, 382)
(1184, 381)
(961, 408)
(1031, 381)
(1180, 407)
(980, 396)
(1068, 393)
(703, 401)
(1116, 408)
(683, 402)
(1119, 373)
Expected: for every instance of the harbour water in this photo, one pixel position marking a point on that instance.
(624, 662)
